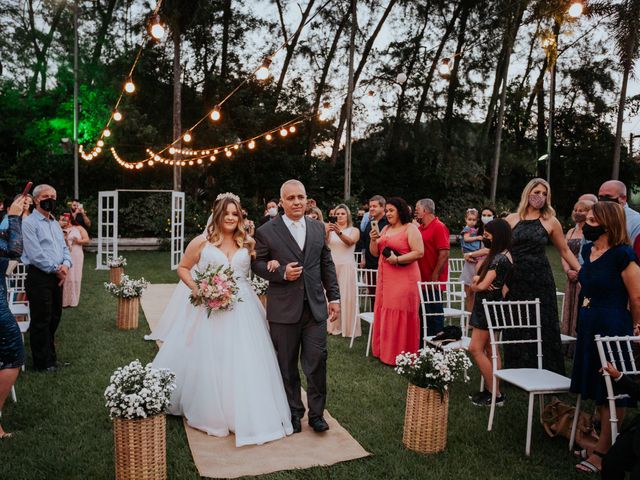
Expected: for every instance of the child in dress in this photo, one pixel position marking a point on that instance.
(470, 242)
(489, 285)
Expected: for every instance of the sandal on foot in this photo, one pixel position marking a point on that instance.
(581, 454)
(586, 466)
(6, 436)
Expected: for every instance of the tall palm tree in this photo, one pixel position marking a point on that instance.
(627, 36)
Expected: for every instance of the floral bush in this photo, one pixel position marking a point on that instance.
(137, 392)
(259, 285)
(433, 367)
(127, 288)
(115, 262)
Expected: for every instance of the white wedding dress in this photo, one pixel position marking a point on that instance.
(227, 373)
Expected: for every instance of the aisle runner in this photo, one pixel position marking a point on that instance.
(219, 458)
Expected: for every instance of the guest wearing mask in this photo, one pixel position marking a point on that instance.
(76, 237)
(11, 346)
(533, 225)
(575, 241)
(48, 261)
(616, 191)
(270, 212)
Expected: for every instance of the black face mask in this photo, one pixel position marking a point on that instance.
(607, 198)
(592, 233)
(486, 242)
(48, 205)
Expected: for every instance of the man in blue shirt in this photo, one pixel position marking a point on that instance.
(616, 191)
(47, 257)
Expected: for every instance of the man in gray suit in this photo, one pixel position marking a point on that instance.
(296, 303)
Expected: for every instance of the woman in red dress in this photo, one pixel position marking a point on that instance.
(399, 245)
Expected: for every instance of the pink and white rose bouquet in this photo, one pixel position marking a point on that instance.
(217, 289)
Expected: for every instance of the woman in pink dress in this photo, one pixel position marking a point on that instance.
(399, 245)
(76, 237)
(342, 238)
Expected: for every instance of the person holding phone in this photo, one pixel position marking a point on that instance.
(377, 221)
(78, 214)
(342, 238)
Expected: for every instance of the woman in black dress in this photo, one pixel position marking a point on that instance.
(533, 225)
(11, 346)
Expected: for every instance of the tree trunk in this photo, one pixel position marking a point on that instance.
(226, 26)
(177, 108)
(522, 127)
(291, 47)
(615, 172)
(40, 68)
(102, 32)
(432, 69)
(322, 82)
(453, 80)
(363, 60)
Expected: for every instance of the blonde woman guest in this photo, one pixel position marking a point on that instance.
(76, 237)
(609, 306)
(575, 241)
(316, 214)
(533, 225)
(342, 239)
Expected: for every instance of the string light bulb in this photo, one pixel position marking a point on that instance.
(263, 72)
(150, 163)
(284, 132)
(292, 129)
(129, 86)
(236, 146)
(172, 151)
(100, 143)
(444, 69)
(228, 153)
(576, 9)
(269, 137)
(199, 161)
(251, 145)
(215, 114)
(157, 30)
(324, 111)
(187, 137)
(106, 132)
(117, 116)
(212, 158)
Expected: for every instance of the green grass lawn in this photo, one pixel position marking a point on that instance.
(63, 431)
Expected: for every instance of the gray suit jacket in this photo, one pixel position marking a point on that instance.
(285, 299)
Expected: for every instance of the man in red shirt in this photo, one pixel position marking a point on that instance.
(434, 264)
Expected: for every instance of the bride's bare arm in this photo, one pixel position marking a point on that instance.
(189, 259)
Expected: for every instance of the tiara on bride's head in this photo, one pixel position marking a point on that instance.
(228, 195)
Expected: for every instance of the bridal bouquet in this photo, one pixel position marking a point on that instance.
(136, 392)
(433, 367)
(217, 289)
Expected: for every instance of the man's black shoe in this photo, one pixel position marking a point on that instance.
(318, 424)
(295, 423)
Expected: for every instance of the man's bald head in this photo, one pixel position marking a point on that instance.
(613, 191)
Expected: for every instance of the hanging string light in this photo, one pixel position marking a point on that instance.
(156, 28)
(263, 71)
(129, 86)
(117, 116)
(576, 9)
(215, 114)
(444, 69)
(187, 136)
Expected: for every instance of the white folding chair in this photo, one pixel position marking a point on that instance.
(565, 339)
(451, 296)
(358, 257)
(619, 352)
(17, 297)
(366, 279)
(507, 316)
(455, 268)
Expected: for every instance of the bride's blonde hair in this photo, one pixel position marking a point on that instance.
(214, 229)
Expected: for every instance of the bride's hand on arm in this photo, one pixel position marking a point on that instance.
(273, 265)
(189, 259)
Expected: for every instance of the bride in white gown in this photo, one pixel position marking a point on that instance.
(227, 373)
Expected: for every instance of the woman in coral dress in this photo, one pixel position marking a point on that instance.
(342, 238)
(399, 245)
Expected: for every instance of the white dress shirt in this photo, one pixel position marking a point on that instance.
(298, 229)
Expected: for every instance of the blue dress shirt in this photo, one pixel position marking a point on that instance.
(43, 243)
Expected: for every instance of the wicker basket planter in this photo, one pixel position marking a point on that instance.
(128, 313)
(140, 448)
(425, 420)
(115, 273)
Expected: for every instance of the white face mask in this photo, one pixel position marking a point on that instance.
(486, 219)
(273, 211)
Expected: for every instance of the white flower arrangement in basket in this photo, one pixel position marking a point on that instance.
(127, 288)
(115, 262)
(259, 285)
(137, 392)
(433, 367)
